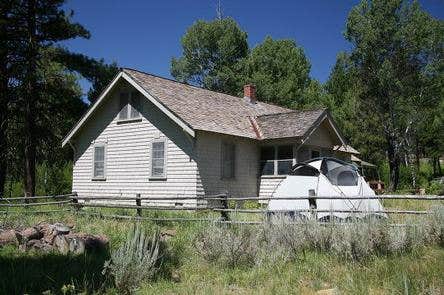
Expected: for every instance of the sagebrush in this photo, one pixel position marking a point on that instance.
(136, 261)
(285, 240)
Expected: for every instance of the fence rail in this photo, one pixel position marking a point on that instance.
(73, 202)
(38, 198)
(225, 197)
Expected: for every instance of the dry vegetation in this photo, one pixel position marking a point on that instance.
(360, 258)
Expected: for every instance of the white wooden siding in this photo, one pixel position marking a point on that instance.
(128, 154)
(268, 185)
(209, 153)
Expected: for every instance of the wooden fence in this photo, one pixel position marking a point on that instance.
(215, 203)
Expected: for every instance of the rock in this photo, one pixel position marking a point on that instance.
(332, 291)
(53, 237)
(61, 244)
(31, 233)
(175, 276)
(10, 237)
(76, 246)
(45, 228)
(61, 229)
(91, 242)
(167, 234)
(39, 245)
(48, 231)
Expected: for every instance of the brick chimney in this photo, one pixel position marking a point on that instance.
(250, 92)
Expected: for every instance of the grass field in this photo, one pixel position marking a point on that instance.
(185, 271)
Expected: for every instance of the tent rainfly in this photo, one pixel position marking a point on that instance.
(326, 177)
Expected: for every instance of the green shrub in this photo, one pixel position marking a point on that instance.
(228, 246)
(435, 188)
(137, 260)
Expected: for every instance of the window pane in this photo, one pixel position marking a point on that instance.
(135, 105)
(157, 154)
(284, 167)
(158, 146)
(267, 153)
(285, 152)
(123, 106)
(267, 167)
(158, 162)
(99, 161)
(99, 169)
(99, 153)
(157, 171)
(158, 159)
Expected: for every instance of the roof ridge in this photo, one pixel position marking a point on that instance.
(292, 111)
(200, 88)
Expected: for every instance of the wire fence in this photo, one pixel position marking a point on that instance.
(219, 205)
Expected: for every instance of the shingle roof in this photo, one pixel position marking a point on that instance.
(346, 149)
(289, 124)
(207, 110)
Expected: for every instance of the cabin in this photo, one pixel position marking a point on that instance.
(154, 136)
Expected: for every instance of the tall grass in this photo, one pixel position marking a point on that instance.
(286, 240)
(276, 258)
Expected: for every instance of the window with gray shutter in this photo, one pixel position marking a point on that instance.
(158, 159)
(228, 160)
(99, 161)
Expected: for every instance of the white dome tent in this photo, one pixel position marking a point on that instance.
(325, 177)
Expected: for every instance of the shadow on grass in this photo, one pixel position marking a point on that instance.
(34, 272)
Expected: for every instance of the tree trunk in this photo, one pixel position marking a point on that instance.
(3, 151)
(30, 98)
(3, 141)
(4, 109)
(394, 162)
(439, 166)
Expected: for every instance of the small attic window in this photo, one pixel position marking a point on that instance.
(130, 106)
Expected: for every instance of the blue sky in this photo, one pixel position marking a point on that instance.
(145, 35)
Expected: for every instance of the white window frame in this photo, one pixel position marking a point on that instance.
(276, 160)
(99, 144)
(165, 159)
(129, 107)
(223, 144)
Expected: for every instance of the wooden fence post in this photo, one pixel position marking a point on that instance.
(312, 203)
(75, 202)
(224, 202)
(138, 203)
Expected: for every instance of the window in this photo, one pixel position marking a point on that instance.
(315, 154)
(99, 162)
(228, 160)
(284, 159)
(267, 160)
(276, 160)
(158, 161)
(129, 105)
